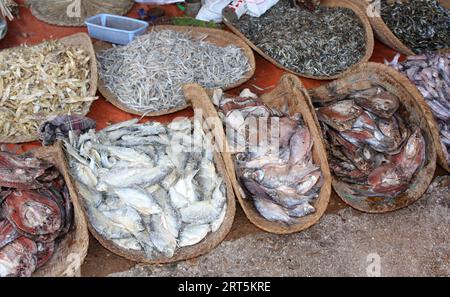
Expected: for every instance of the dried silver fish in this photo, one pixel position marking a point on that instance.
(148, 73)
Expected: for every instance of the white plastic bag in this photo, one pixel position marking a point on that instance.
(212, 10)
(256, 8)
(158, 2)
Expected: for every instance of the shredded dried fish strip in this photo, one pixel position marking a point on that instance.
(39, 81)
(147, 74)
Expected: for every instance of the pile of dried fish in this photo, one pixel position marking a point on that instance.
(39, 81)
(323, 42)
(370, 146)
(148, 73)
(431, 74)
(148, 187)
(35, 212)
(421, 25)
(273, 157)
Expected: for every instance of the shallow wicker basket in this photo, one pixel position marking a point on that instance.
(71, 251)
(83, 41)
(211, 240)
(215, 36)
(291, 91)
(413, 110)
(57, 12)
(328, 3)
(382, 31)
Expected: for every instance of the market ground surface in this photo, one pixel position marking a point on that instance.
(345, 242)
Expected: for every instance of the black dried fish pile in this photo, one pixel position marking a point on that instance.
(421, 25)
(323, 42)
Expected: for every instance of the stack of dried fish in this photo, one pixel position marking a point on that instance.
(370, 146)
(35, 212)
(39, 81)
(148, 187)
(421, 25)
(273, 157)
(323, 42)
(148, 73)
(431, 74)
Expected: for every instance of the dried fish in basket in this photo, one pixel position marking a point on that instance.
(145, 77)
(430, 73)
(380, 148)
(54, 77)
(422, 21)
(152, 193)
(291, 97)
(42, 229)
(314, 44)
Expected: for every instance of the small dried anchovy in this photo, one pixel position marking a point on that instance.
(321, 43)
(39, 81)
(147, 74)
(422, 25)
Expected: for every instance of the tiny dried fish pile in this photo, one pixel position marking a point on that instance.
(421, 25)
(147, 74)
(273, 157)
(38, 81)
(431, 74)
(35, 212)
(371, 148)
(323, 42)
(147, 187)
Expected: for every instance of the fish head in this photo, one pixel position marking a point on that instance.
(384, 104)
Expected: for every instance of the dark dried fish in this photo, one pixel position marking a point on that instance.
(422, 25)
(372, 150)
(323, 42)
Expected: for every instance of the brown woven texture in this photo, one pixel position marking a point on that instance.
(211, 240)
(382, 31)
(413, 110)
(215, 36)
(71, 251)
(83, 41)
(328, 3)
(55, 11)
(291, 91)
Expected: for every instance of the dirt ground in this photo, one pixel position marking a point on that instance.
(410, 242)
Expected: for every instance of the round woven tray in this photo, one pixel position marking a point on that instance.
(328, 3)
(63, 12)
(290, 90)
(414, 109)
(83, 41)
(215, 36)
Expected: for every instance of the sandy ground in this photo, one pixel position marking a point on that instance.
(410, 242)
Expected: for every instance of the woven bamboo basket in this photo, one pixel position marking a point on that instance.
(214, 36)
(83, 41)
(382, 31)
(72, 13)
(211, 240)
(328, 3)
(291, 91)
(413, 110)
(71, 251)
